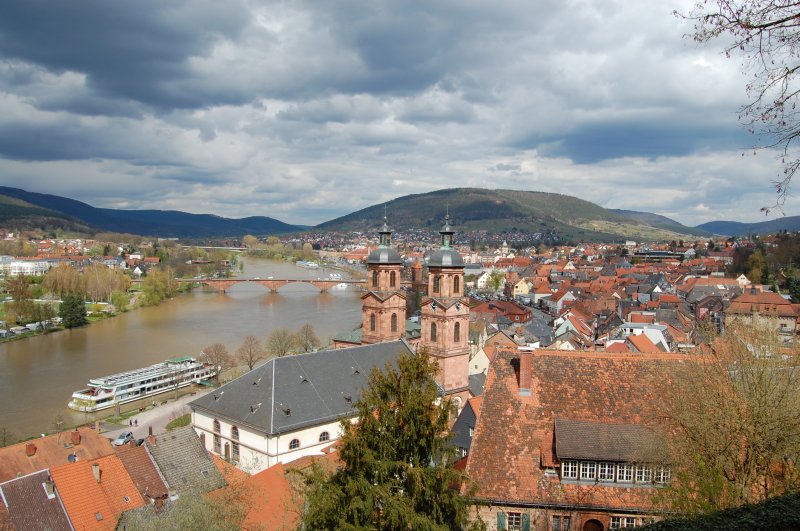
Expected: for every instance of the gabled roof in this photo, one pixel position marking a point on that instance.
(292, 392)
(142, 470)
(30, 507)
(183, 461)
(52, 451)
(513, 430)
(91, 504)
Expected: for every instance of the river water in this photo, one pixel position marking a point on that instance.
(39, 374)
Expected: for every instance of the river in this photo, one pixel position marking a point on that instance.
(39, 374)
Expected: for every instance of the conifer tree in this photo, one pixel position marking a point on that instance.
(397, 465)
(72, 310)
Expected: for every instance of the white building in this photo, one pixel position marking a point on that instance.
(289, 407)
(31, 268)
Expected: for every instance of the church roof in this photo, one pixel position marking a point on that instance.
(293, 392)
(446, 258)
(384, 255)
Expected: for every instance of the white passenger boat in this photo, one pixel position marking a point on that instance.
(140, 383)
(308, 264)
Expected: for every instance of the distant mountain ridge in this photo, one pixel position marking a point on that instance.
(736, 228)
(476, 209)
(661, 222)
(163, 223)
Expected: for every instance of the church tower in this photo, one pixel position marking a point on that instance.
(383, 307)
(444, 316)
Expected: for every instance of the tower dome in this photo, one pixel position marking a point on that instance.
(385, 254)
(446, 256)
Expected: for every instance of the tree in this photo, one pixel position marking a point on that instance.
(396, 468)
(732, 423)
(280, 342)
(495, 280)
(306, 338)
(218, 356)
(72, 310)
(766, 34)
(250, 352)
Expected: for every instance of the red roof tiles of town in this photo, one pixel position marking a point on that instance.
(93, 504)
(51, 451)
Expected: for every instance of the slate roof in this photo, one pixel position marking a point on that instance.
(603, 441)
(29, 506)
(476, 383)
(514, 435)
(183, 461)
(293, 392)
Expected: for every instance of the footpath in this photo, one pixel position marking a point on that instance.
(154, 418)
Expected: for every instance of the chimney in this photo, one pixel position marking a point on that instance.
(525, 370)
(152, 439)
(75, 437)
(30, 449)
(96, 471)
(49, 488)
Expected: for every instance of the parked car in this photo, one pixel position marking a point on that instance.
(123, 438)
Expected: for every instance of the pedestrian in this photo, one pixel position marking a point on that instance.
(130, 422)
(137, 422)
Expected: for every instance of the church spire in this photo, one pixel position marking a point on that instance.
(447, 232)
(385, 232)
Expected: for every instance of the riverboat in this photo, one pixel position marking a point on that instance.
(169, 375)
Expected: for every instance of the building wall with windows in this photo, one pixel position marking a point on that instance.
(257, 451)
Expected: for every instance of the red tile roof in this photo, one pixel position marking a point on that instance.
(513, 432)
(52, 451)
(96, 505)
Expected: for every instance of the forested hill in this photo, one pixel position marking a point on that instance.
(570, 218)
(29, 206)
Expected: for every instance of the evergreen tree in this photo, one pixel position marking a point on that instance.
(396, 471)
(72, 310)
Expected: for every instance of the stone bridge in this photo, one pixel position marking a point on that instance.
(223, 284)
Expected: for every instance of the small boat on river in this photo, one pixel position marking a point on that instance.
(169, 375)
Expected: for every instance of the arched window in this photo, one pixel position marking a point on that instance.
(372, 322)
(324, 436)
(456, 285)
(392, 279)
(394, 322)
(235, 446)
(217, 440)
(294, 444)
(374, 279)
(457, 333)
(436, 279)
(433, 331)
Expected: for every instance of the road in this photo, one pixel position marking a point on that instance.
(156, 418)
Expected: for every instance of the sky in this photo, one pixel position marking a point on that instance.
(304, 111)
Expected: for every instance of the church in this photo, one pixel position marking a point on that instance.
(291, 406)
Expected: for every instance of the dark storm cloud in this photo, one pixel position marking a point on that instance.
(597, 142)
(127, 50)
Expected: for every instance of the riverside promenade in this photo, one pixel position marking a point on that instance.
(157, 417)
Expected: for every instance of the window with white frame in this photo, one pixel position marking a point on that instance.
(624, 473)
(514, 521)
(324, 436)
(623, 522)
(588, 470)
(569, 470)
(605, 471)
(644, 474)
(294, 444)
(662, 474)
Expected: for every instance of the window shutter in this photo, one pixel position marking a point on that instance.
(526, 522)
(501, 520)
